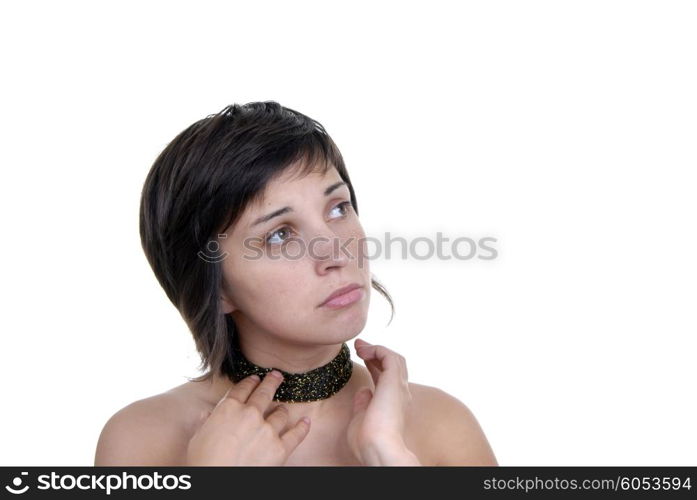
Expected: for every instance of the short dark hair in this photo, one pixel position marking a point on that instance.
(200, 184)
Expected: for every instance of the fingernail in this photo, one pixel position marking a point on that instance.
(276, 374)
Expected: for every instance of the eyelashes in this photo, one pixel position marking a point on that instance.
(344, 205)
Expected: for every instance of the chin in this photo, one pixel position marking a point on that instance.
(344, 328)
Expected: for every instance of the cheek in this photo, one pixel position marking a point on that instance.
(275, 298)
(258, 287)
(358, 247)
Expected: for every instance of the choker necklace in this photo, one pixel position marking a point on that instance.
(314, 385)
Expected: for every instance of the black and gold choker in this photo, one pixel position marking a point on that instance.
(314, 385)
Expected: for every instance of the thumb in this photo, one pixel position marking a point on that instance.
(362, 399)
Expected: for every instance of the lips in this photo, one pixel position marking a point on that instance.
(340, 291)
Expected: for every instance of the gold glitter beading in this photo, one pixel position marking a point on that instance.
(314, 385)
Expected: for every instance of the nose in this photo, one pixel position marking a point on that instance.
(328, 251)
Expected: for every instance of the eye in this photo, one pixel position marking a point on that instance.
(285, 230)
(282, 234)
(344, 205)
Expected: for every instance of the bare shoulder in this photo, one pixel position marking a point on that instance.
(451, 430)
(150, 431)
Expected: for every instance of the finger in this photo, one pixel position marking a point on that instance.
(295, 435)
(367, 356)
(242, 389)
(370, 351)
(362, 399)
(366, 350)
(263, 394)
(374, 370)
(388, 359)
(386, 367)
(278, 418)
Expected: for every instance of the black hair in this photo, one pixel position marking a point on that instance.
(200, 185)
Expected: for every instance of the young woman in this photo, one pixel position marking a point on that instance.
(250, 223)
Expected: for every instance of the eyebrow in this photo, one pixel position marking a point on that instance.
(284, 210)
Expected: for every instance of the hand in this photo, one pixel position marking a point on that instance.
(377, 425)
(237, 433)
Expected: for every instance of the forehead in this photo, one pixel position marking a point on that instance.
(291, 185)
(287, 188)
(294, 179)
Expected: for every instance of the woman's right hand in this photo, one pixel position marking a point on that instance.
(237, 433)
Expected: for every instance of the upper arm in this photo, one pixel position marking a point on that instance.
(456, 433)
(139, 435)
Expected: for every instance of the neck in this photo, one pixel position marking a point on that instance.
(331, 409)
(314, 384)
(286, 356)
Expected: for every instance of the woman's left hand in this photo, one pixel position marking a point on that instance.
(376, 430)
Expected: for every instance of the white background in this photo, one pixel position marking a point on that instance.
(564, 129)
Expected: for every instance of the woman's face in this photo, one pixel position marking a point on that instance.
(278, 270)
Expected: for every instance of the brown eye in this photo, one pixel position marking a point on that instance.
(344, 206)
(283, 231)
